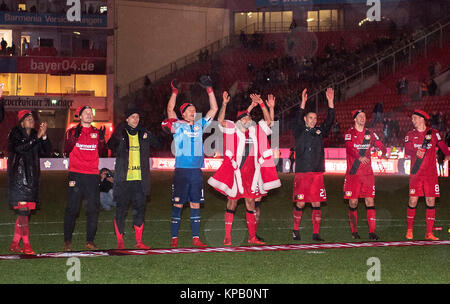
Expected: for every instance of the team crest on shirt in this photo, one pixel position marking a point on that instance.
(367, 137)
(348, 137)
(348, 193)
(318, 132)
(94, 135)
(412, 191)
(72, 184)
(196, 128)
(144, 136)
(300, 196)
(428, 136)
(176, 199)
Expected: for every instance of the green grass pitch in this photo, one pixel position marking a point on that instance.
(427, 264)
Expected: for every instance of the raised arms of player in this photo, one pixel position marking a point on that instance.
(173, 99)
(213, 108)
(271, 104)
(328, 123)
(257, 99)
(223, 109)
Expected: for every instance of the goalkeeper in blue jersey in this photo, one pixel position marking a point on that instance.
(187, 184)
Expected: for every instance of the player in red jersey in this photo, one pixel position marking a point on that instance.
(83, 143)
(359, 178)
(421, 145)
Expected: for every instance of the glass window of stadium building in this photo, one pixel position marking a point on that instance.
(52, 65)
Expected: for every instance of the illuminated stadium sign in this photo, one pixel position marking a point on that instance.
(49, 19)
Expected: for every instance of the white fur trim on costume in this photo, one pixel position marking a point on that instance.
(240, 146)
(238, 180)
(265, 127)
(223, 187)
(230, 129)
(234, 164)
(272, 185)
(228, 153)
(267, 153)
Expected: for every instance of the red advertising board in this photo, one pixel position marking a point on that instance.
(61, 65)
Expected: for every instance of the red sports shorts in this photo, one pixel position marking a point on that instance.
(359, 186)
(420, 185)
(309, 187)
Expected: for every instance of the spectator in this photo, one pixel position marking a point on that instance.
(435, 120)
(3, 44)
(395, 128)
(3, 6)
(377, 113)
(25, 47)
(402, 86)
(442, 121)
(106, 189)
(432, 87)
(423, 89)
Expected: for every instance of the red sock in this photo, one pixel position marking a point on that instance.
(298, 212)
(353, 217)
(251, 223)
(430, 216)
(24, 228)
(118, 234)
(316, 218)
(138, 231)
(17, 232)
(410, 215)
(371, 219)
(229, 216)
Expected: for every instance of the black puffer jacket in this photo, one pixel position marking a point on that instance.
(120, 146)
(23, 164)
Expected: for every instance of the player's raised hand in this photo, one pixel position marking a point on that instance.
(330, 97)
(271, 101)
(225, 97)
(175, 86)
(304, 95)
(256, 98)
